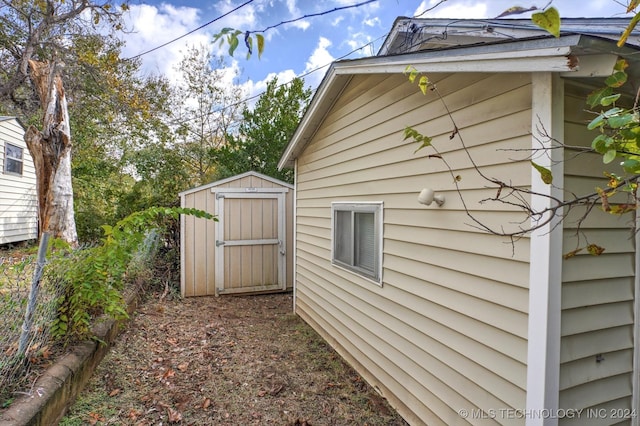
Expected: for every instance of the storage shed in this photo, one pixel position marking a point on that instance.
(454, 325)
(18, 198)
(249, 249)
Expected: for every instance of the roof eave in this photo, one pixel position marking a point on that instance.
(10, 117)
(545, 54)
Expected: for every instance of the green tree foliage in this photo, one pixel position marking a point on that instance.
(115, 114)
(161, 176)
(265, 131)
(40, 30)
(618, 125)
(114, 111)
(94, 278)
(206, 106)
(618, 137)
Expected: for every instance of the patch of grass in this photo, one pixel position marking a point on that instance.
(90, 407)
(7, 403)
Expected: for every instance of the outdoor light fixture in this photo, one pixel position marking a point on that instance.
(428, 196)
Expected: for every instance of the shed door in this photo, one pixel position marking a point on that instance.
(250, 241)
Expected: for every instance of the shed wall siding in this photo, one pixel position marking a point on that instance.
(199, 246)
(18, 198)
(448, 328)
(597, 292)
(198, 263)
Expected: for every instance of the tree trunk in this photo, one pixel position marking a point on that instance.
(51, 152)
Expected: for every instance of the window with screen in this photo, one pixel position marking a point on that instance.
(13, 159)
(357, 238)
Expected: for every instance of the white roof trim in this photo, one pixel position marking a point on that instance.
(236, 177)
(545, 59)
(4, 118)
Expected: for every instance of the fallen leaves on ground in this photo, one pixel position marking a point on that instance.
(229, 360)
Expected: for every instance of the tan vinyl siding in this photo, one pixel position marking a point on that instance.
(448, 328)
(597, 292)
(18, 198)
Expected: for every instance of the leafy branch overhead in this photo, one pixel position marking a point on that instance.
(231, 37)
(549, 20)
(619, 127)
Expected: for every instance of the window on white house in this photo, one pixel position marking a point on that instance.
(357, 238)
(13, 159)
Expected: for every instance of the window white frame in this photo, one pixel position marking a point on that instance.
(13, 156)
(344, 250)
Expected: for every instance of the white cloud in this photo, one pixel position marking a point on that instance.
(372, 22)
(361, 41)
(337, 21)
(230, 74)
(294, 13)
(245, 17)
(457, 10)
(303, 24)
(293, 8)
(153, 26)
(319, 60)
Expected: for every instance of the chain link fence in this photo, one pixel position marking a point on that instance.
(16, 275)
(29, 300)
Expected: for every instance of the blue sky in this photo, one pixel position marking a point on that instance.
(303, 46)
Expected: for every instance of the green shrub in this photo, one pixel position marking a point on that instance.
(94, 278)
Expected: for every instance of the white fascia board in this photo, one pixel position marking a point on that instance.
(556, 59)
(594, 66)
(545, 64)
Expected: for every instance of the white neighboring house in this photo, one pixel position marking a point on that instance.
(18, 196)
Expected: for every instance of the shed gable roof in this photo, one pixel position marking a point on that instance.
(575, 55)
(237, 177)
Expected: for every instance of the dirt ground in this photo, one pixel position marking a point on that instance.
(230, 360)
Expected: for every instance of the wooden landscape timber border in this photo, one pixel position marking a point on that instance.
(56, 390)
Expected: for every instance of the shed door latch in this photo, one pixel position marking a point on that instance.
(219, 243)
